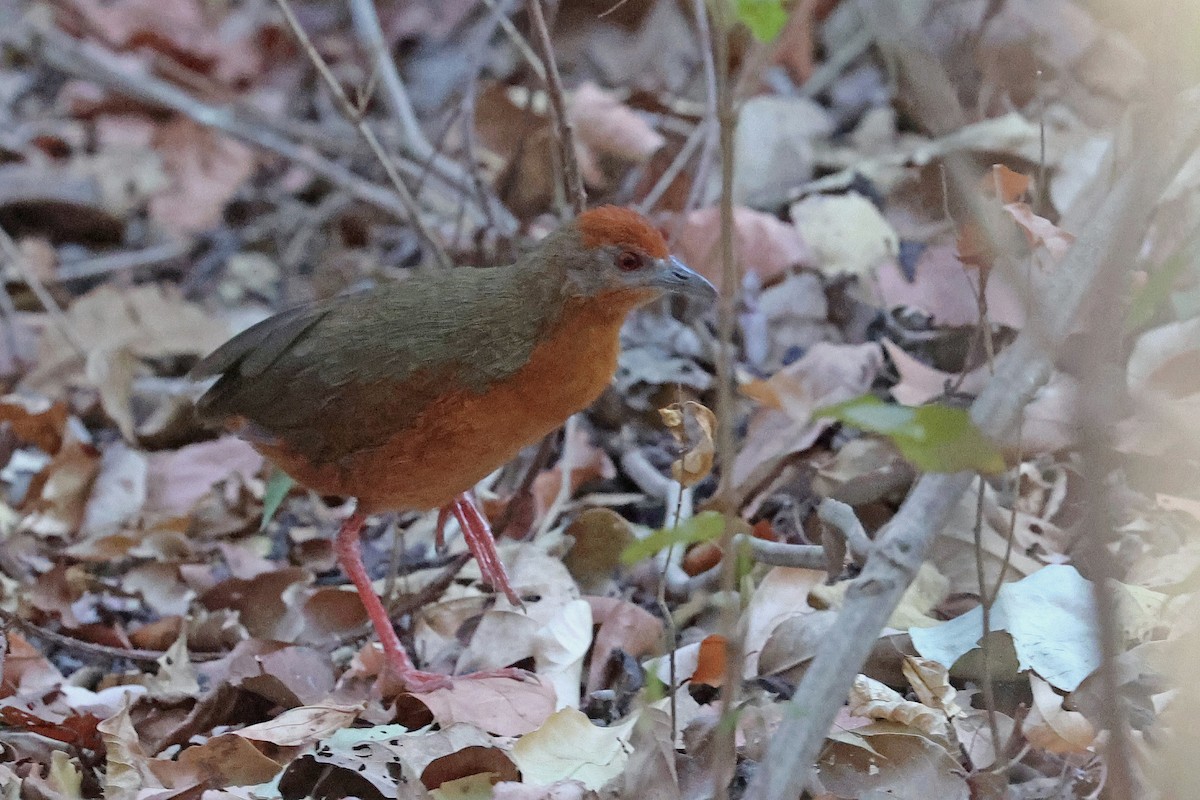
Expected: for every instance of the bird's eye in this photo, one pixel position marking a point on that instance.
(629, 261)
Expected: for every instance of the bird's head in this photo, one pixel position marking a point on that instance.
(618, 253)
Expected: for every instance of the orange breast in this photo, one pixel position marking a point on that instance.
(462, 436)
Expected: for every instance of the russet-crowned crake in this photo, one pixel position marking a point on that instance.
(407, 395)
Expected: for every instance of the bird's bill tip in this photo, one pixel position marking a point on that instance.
(678, 278)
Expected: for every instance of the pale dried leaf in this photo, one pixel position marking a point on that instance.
(503, 706)
(296, 727)
(608, 127)
(569, 746)
(931, 681)
(763, 244)
(846, 233)
(870, 698)
(1051, 727)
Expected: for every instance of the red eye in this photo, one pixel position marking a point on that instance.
(629, 261)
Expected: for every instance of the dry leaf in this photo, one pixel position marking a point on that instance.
(151, 321)
(127, 770)
(502, 706)
(781, 594)
(608, 127)
(112, 373)
(180, 478)
(697, 462)
(763, 244)
(931, 681)
(846, 232)
(225, 760)
(568, 745)
(297, 727)
(58, 507)
(827, 373)
(205, 169)
(624, 626)
(870, 698)
(35, 420)
(1052, 727)
(947, 290)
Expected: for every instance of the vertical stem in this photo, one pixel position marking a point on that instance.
(985, 641)
(563, 130)
(723, 748)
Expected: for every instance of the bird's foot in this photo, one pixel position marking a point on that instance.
(482, 545)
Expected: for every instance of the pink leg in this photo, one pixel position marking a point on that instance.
(349, 555)
(482, 545)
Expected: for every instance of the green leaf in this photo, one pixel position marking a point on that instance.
(704, 527)
(278, 486)
(933, 437)
(764, 18)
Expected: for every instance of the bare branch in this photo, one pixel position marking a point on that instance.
(842, 518)
(1104, 248)
(13, 254)
(564, 132)
(369, 30)
(412, 209)
(95, 64)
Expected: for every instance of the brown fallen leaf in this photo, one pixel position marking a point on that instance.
(1052, 727)
(151, 321)
(696, 463)
(58, 495)
(502, 706)
(301, 726)
(180, 478)
(827, 373)
(205, 169)
(607, 127)
(35, 420)
(624, 626)
(763, 244)
(225, 760)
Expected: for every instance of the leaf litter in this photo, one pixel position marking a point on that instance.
(174, 623)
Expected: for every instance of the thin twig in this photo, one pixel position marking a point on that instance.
(131, 260)
(518, 41)
(92, 648)
(985, 640)
(13, 253)
(88, 62)
(701, 133)
(409, 202)
(841, 517)
(564, 132)
(563, 495)
(367, 26)
(723, 738)
(704, 163)
(1104, 248)
(774, 554)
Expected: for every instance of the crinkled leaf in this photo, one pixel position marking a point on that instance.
(933, 437)
(703, 527)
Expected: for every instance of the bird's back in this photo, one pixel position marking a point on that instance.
(333, 379)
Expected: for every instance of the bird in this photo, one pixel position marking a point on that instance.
(406, 395)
